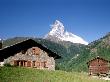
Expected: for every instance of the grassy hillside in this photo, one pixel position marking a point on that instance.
(100, 47)
(17, 74)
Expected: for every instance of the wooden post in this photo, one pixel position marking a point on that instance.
(40, 65)
(19, 63)
(26, 64)
(23, 64)
(31, 64)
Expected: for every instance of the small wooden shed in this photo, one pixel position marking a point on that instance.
(98, 66)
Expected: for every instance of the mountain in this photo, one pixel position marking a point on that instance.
(67, 50)
(74, 56)
(101, 47)
(58, 33)
(14, 40)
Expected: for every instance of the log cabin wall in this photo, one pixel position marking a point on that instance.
(33, 57)
(98, 66)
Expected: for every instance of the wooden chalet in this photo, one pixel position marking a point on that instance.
(29, 53)
(98, 66)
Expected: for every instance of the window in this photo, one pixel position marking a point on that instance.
(28, 63)
(33, 49)
(23, 51)
(43, 64)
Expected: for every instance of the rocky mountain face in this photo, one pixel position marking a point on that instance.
(58, 33)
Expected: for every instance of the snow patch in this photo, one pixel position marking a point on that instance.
(58, 31)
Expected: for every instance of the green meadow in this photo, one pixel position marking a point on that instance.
(20, 74)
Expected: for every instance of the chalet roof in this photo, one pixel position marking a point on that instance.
(13, 49)
(97, 58)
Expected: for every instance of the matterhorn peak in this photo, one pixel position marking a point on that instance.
(58, 33)
(57, 28)
(57, 22)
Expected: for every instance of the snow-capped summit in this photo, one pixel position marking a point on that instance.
(57, 29)
(58, 33)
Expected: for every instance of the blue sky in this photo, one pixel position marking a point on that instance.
(89, 19)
